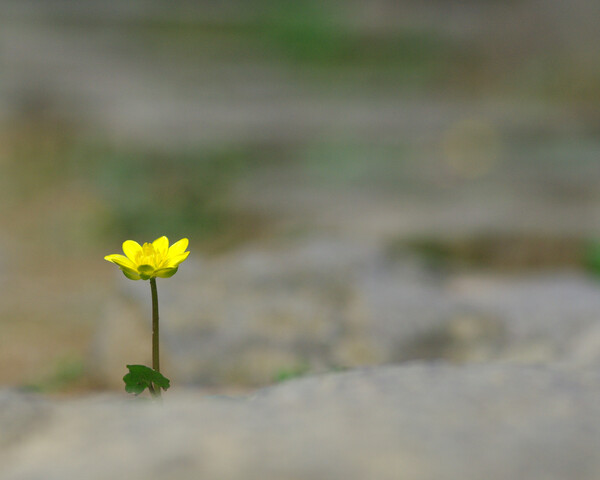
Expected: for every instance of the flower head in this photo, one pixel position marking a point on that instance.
(150, 260)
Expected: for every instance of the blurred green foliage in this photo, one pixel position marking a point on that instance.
(87, 192)
(289, 373)
(592, 257)
(66, 373)
(310, 34)
(497, 251)
(181, 194)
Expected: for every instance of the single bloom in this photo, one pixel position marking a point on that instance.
(150, 260)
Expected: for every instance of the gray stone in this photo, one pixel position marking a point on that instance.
(19, 415)
(415, 422)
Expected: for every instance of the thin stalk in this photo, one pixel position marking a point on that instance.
(155, 345)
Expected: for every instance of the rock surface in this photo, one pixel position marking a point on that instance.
(415, 422)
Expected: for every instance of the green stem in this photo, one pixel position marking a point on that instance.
(155, 344)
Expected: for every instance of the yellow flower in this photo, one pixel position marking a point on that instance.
(150, 260)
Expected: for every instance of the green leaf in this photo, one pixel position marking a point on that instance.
(141, 377)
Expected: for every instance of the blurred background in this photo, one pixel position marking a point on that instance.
(361, 183)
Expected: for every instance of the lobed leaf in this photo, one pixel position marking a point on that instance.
(141, 377)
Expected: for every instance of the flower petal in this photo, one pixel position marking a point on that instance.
(161, 245)
(132, 249)
(127, 266)
(178, 247)
(174, 261)
(121, 261)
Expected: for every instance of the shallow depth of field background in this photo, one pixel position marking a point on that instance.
(464, 133)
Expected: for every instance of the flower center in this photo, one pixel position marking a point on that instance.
(149, 256)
